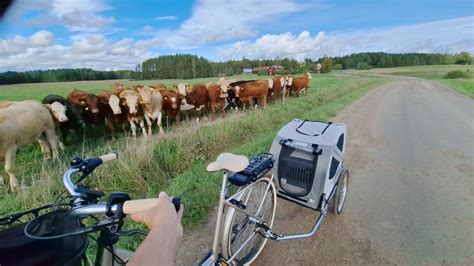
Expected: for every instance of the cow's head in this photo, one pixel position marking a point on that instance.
(181, 88)
(282, 82)
(238, 90)
(289, 80)
(89, 102)
(270, 83)
(145, 94)
(174, 99)
(223, 90)
(130, 99)
(59, 111)
(114, 103)
(309, 75)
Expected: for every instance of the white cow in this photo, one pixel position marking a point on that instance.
(22, 123)
(152, 107)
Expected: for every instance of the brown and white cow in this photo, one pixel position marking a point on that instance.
(111, 110)
(130, 101)
(172, 105)
(249, 90)
(117, 88)
(299, 84)
(152, 105)
(217, 98)
(279, 88)
(197, 98)
(22, 123)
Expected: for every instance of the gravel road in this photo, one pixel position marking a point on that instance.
(411, 196)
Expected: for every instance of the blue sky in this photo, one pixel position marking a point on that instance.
(103, 34)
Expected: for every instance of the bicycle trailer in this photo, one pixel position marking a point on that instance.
(309, 158)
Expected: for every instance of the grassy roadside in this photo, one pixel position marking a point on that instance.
(434, 72)
(177, 162)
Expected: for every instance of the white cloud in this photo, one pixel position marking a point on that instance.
(39, 51)
(148, 28)
(216, 20)
(452, 35)
(81, 16)
(167, 18)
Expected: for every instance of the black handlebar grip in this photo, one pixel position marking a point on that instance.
(177, 203)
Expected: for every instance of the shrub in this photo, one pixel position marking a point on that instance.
(363, 66)
(262, 73)
(337, 67)
(456, 74)
(282, 72)
(327, 65)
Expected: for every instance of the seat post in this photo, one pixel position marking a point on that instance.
(220, 213)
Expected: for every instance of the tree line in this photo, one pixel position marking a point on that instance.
(186, 66)
(380, 60)
(60, 75)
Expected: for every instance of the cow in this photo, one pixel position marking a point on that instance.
(217, 98)
(172, 104)
(111, 110)
(90, 105)
(131, 101)
(152, 105)
(279, 88)
(73, 113)
(22, 123)
(300, 84)
(159, 86)
(198, 99)
(248, 90)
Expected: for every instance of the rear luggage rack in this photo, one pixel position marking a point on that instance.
(258, 166)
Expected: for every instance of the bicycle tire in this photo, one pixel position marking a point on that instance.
(234, 218)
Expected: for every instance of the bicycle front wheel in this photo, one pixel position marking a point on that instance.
(238, 227)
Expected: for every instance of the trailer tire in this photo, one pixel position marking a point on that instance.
(341, 192)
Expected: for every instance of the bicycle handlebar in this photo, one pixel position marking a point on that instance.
(108, 157)
(129, 207)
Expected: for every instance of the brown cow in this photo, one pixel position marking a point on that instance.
(171, 104)
(217, 98)
(198, 98)
(247, 91)
(130, 101)
(299, 84)
(109, 106)
(90, 105)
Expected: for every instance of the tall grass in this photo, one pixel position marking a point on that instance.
(176, 163)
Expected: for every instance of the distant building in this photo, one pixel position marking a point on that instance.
(247, 71)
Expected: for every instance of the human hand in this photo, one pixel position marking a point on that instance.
(163, 216)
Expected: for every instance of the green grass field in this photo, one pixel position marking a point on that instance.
(176, 163)
(436, 72)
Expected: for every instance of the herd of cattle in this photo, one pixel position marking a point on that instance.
(24, 122)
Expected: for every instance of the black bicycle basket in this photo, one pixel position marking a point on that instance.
(18, 249)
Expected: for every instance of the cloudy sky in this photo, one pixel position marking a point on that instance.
(106, 34)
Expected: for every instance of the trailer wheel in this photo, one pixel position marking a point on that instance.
(341, 192)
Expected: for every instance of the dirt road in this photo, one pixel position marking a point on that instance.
(411, 196)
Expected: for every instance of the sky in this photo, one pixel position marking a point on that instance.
(111, 35)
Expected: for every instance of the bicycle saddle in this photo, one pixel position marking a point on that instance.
(230, 162)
